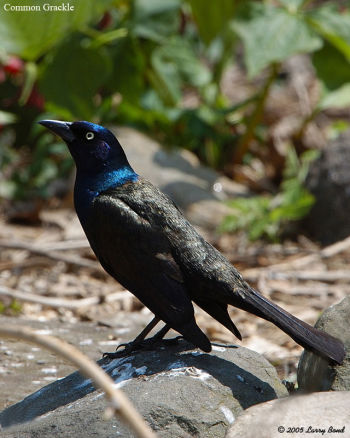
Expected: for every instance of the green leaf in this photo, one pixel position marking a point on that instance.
(332, 67)
(292, 5)
(29, 34)
(271, 34)
(128, 72)
(155, 19)
(175, 64)
(72, 76)
(333, 26)
(212, 17)
(333, 70)
(165, 79)
(339, 98)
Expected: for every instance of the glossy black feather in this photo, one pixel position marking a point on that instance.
(144, 242)
(161, 258)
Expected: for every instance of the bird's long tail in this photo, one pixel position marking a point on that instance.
(304, 334)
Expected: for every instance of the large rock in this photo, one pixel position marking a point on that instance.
(329, 181)
(314, 372)
(180, 392)
(24, 367)
(313, 415)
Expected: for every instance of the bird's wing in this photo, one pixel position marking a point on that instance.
(138, 255)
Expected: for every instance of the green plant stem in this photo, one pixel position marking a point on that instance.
(243, 143)
(299, 134)
(102, 38)
(31, 73)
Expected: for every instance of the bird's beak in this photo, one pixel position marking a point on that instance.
(60, 128)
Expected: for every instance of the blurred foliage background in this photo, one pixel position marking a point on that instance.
(253, 88)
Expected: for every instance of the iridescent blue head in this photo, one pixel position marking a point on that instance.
(100, 160)
(93, 147)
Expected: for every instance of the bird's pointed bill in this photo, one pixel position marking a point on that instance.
(59, 128)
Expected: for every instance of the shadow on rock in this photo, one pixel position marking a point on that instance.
(228, 379)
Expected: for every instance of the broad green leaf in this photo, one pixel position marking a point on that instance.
(332, 67)
(128, 70)
(165, 79)
(72, 76)
(271, 34)
(339, 98)
(212, 17)
(333, 26)
(333, 70)
(175, 64)
(292, 5)
(29, 34)
(181, 54)
(155, 19)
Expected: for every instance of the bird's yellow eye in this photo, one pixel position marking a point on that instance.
(90, 135)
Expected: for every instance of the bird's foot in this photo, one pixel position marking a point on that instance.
(143, 345)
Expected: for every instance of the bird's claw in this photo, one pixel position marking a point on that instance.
(145, 344)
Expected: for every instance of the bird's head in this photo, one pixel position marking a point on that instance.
(93, 147)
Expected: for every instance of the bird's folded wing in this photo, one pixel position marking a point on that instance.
(138, 255)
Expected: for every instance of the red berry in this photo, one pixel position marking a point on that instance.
(36, 99)
(2, 75)
(14, 65)
(105, 21)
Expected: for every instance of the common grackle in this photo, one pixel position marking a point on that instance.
(143, 241)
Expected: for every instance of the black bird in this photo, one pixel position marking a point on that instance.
(143, 241)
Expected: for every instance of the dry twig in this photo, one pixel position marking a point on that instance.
(315, 275)
(61, 302)
(120, 404)
(55, 255)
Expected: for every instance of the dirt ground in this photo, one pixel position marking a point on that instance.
(48, 273)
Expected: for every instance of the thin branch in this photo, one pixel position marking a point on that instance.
(63, 245)
(29, 262)
(120, 404)
(315, 288)
(336, 275)
(335, 248)
(313, 275)
(61, 302)
(54, 255)
(301, 262)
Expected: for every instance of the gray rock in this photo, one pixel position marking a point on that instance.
(24, 367)
(196, 189)
(314, 372)
(180, 392)
(323, 414)
(329, 181)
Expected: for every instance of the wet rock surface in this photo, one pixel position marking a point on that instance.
(179, 391)
(25, 367)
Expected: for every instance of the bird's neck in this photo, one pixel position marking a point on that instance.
(88, 187)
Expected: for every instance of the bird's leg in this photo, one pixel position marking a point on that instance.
(160, 335)
(140, 343)
(141, 336)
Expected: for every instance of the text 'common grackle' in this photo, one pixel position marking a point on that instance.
(144, 242)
